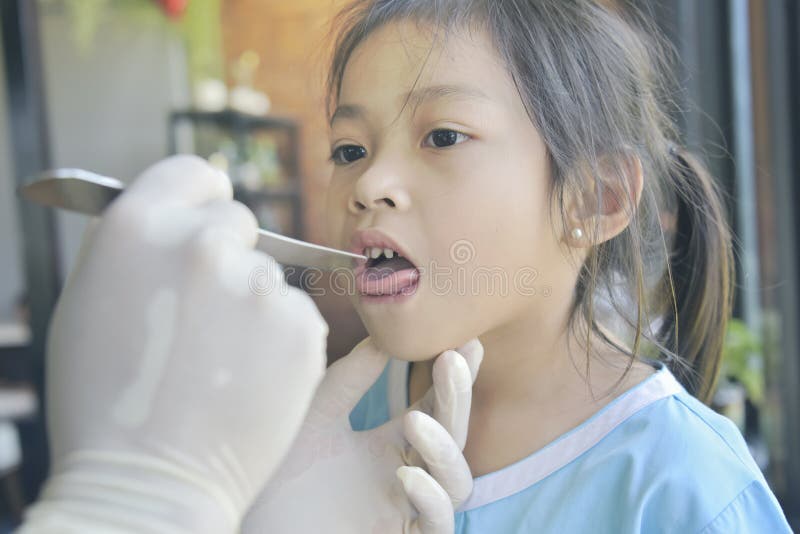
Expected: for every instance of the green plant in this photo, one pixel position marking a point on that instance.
(742, 359)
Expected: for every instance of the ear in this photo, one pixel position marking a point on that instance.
(603, 207)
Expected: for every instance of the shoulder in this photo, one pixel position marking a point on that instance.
(659, 423)
(686, 434)
(753, 510)
(690, 465)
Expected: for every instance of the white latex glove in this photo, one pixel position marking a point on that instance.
(336, 480)
(174, 391)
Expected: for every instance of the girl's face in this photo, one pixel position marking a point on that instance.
(456, 182)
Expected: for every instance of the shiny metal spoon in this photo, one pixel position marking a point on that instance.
(89, 193)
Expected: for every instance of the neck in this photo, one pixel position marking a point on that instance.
(527, 362)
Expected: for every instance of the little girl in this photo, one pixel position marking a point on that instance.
(503, 163)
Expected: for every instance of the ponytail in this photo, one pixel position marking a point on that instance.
(700, 277)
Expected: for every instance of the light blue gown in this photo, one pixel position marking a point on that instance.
(655, 459)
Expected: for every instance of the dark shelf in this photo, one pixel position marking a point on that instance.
(282, 201)
(234, 119)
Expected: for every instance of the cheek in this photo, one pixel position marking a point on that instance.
(492, 231)
(494, 217)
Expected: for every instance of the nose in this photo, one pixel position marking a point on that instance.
(378, 189)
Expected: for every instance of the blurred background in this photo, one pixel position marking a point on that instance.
(114, 85)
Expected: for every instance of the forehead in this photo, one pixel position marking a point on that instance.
(404, 55)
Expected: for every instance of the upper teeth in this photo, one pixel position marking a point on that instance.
(375, 252)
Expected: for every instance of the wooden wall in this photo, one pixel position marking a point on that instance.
(291, 36)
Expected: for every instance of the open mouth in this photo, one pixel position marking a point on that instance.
(386, 273)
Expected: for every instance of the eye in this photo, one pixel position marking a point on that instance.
(345, 154)
(443, 138)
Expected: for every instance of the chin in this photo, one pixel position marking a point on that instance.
(413, 343)
(414, 329)
(402, 348)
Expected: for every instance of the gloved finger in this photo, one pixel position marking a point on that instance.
(452, 386)
(234, 216)
(452, 399)
(256, 270)
(472, 351)
(183, 180)
(436, 515)
(454, 418)
(221, 249)
(441, 454)
(347, 380)
(218, 256)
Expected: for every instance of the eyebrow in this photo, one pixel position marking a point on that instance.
(415, 97)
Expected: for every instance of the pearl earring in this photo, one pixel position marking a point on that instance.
(577, 233)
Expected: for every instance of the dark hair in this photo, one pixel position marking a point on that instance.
(593, 78)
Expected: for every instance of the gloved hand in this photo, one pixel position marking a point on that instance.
(337, 480)
(174, 391)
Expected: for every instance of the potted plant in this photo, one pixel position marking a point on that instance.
(742, 373)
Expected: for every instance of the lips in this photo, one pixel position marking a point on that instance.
(388, 270)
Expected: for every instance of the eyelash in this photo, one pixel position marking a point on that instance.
(338, 150)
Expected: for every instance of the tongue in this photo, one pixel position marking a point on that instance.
(391, 265)
(388, 277)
